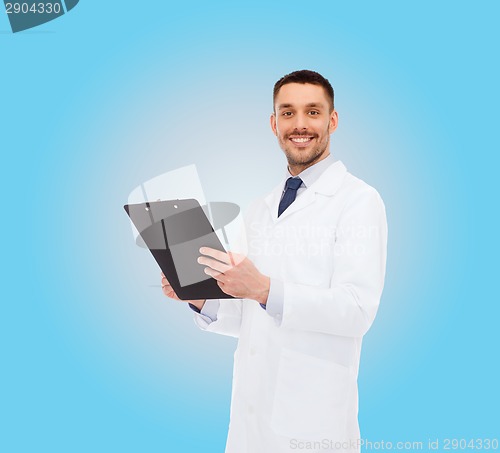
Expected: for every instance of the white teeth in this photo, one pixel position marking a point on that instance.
(301, 140)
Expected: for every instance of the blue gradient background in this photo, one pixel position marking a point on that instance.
(93, 357)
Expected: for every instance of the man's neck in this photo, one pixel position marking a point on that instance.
(297, 169)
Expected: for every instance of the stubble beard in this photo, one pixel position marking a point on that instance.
(297, 158)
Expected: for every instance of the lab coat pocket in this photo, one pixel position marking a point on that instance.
(311, 397)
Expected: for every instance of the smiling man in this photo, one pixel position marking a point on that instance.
(306, 293)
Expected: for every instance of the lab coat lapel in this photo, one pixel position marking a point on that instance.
(327, 184)
(273, 200)
(305, 199)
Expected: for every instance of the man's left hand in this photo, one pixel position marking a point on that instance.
(236, 275)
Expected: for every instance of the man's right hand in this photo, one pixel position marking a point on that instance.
(169, 292)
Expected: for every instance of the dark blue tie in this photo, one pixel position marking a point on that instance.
(292, 185)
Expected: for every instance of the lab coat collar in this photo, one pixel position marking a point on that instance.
(331, 179)
(327, 184)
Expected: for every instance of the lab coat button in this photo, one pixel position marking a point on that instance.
(252, 351)
(250, 410)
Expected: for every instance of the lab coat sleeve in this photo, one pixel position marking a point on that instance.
(220, 316)
(348, 307)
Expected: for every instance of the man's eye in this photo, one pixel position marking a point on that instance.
(313, 112)
(287, 113)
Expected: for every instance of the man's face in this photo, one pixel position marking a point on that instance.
(303, 122)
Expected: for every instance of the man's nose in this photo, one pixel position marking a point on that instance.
(300, 121)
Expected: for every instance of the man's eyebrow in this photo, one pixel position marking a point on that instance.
(311, 104)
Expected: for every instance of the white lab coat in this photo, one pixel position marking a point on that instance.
(295, 378)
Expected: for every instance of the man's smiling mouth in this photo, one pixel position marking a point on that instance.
(301, 141)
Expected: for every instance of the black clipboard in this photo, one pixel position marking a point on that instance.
(174, 231)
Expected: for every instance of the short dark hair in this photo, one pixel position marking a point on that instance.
(305, 76)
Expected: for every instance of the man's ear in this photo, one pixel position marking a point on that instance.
(273, 123)
(334, 121)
